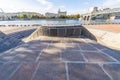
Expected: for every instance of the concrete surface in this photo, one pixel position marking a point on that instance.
(53, 58)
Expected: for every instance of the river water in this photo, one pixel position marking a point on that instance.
(51, 22)
(42, 22)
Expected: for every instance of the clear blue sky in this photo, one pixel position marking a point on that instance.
(42, 6)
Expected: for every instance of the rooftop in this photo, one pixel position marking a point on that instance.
(55, 58)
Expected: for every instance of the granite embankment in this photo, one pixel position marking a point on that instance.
(105, 34)
(12, 36)
(108, 35)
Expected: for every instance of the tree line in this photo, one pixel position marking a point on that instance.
(74, 16)
(36, 16)
(30, 16)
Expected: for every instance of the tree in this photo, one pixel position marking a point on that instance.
(76, 16)
(63, 16)
(23, 16)
(34, 16)
(42, 16)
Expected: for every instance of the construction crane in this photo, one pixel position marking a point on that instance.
(4, 14)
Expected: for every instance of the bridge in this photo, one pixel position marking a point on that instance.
(4, 15)
(105, 14)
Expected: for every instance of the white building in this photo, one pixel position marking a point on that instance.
(60, 13)
(50, 15)
(93, 9)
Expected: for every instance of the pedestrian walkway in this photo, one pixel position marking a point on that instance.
(57, 58)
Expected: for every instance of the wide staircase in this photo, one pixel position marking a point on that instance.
(8, 41)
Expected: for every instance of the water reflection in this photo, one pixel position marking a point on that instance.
(58, 22)
(42, 22)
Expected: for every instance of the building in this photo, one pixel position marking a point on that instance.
(54, 15)
(95, 9)
(50, 15)
(60, 13)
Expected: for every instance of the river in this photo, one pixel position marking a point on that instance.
(42, 22)
(51, 22)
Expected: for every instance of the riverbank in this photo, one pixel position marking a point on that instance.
(108, 35)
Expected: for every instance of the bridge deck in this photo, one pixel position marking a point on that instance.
(108, 11)
(52, 58)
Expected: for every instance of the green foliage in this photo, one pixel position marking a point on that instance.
(34, 16)
(62, 16)
(31, 16)
(75, 16)
(38, 16)
(42, 16)
(23, 16)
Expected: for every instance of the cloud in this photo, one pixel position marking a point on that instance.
(111, 3)
(46, 4)
(40, 6)
(62, 6)
(17, 6)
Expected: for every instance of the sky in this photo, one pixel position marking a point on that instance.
(43, 6)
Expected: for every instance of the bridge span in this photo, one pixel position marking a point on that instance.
(108, 14)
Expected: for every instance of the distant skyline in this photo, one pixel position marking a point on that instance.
(43, 6)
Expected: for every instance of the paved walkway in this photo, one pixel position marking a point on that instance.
(108, 27)
(60, 59)
(15, 29)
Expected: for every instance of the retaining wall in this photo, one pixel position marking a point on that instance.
(56, 31)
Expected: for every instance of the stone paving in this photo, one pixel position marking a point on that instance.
(108, 27)
(52, 58)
